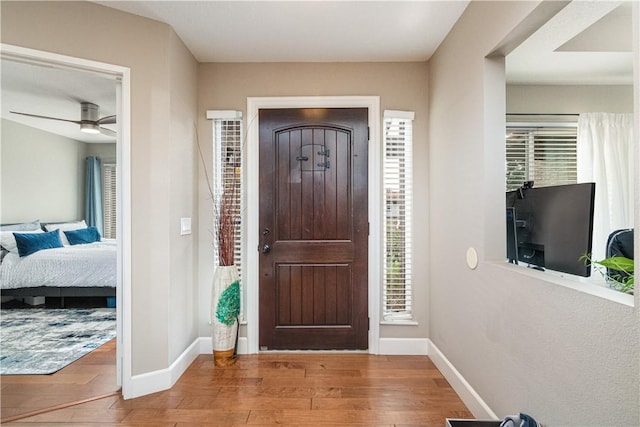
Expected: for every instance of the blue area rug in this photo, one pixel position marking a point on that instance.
(43, 341)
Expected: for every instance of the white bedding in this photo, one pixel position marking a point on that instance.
(89, 265)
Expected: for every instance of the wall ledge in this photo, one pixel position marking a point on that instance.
(575, 283)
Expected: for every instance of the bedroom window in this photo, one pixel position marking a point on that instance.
(398, 196)
(542, 152)
(227, 179)
(109, 199)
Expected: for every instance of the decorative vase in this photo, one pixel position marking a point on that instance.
(225, 308)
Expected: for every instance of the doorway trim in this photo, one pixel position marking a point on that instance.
(122, 76)
(252, 177)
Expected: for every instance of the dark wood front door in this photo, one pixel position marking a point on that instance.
(314, 229)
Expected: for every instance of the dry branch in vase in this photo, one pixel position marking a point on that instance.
(225, 211)
(226, 220)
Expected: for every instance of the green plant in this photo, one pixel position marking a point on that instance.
(617, 270)
(228, 308)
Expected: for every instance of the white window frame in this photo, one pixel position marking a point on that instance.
(218, 118)
(397, 296)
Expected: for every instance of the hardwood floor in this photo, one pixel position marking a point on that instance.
(90, 376)
(335, 389)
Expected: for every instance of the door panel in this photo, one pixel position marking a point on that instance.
(313, 295)
(313, 217)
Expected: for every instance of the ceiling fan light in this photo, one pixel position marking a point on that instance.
(89, 128)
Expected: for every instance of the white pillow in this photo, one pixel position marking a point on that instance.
(8, 240)
(25, 226)
(65, 226)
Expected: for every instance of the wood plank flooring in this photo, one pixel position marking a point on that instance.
(90, 376)
(294, 389)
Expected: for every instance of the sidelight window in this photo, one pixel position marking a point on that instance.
(227, 177)
(398, 197)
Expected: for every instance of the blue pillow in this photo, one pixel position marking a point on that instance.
(29, 243)
(83, 235)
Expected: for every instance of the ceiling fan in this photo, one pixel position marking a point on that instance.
(89, 122)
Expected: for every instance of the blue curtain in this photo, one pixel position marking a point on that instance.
(93, 196)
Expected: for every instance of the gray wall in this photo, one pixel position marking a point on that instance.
(523, 341)
(42, 175)
(570, 99)
(182, 162)
(162, 92)
(106, 151)
(401, 86)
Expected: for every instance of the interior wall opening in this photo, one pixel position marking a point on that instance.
(65, 97)
(571, 75)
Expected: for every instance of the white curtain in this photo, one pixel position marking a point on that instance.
(605, 156)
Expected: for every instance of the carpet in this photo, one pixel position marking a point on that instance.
(43, 341)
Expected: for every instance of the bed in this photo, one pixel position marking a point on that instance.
(73, 269)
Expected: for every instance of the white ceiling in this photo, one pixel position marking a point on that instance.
(588, 42)
(55, 92)
(304, 31)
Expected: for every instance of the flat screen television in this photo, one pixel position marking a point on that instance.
(553, 226)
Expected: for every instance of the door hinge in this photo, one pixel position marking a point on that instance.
(368, 229)
(368, 133)
(368, 323)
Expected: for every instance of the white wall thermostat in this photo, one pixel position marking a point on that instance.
(472, 258)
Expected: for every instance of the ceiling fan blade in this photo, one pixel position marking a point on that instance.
(107, 132)
(46, 117)
(108, 120)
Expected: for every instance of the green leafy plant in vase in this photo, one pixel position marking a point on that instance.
(617, 270)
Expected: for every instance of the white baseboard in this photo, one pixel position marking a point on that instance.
(403, 346)
(467, 394)
(163, 379)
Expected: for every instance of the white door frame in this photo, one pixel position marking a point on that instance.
(123, 193)
(252, 179)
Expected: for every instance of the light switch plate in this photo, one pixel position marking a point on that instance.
(185, 226)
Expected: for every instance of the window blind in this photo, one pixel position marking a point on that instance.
(109, 178)
(398, 197)
(227, 164)
(543, 154)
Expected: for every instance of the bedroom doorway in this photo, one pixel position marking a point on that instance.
(118, 79)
